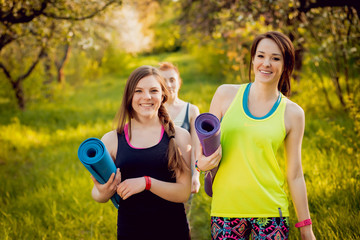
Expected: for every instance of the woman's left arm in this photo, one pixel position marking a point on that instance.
(195, 143)
(295, 124)
(174, 192)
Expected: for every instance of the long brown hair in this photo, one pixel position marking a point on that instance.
(126, 113)
(288, 53)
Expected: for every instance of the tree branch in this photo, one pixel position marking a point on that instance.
(306, 5)
(50, 15)
(20, 16)
(5, 39)
(6, 72)
(32, 67)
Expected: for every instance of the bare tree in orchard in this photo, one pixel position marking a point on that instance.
(32, 30)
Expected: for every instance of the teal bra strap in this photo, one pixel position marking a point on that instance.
(246, 109)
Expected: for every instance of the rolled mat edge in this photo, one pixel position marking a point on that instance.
(93, 154)
(207, 127)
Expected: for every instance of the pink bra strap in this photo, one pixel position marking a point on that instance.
(126, 131)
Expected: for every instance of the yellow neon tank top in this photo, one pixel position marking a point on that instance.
(249, 182)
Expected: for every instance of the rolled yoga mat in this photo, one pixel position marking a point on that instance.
(96, 158)
(207, 127)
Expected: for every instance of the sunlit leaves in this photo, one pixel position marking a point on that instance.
(38, 29)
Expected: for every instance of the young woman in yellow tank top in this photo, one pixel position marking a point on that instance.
(248, 195)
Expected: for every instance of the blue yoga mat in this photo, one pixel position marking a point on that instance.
(207, 127)
(96, 158)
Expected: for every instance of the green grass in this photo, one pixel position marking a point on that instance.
(45, 191)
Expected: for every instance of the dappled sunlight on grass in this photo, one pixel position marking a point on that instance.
(22, 136)
(83, 131)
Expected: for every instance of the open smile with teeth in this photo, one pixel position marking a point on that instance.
(146, 104)
(265, 72)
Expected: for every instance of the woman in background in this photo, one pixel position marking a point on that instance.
(153, 160)
(182, 113)
(248, 195)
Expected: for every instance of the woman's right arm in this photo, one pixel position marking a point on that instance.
(219, 104)
(103, 192)
(222, 99)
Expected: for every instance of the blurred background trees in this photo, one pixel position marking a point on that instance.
(64, 63)
(325, 34)
(42, 31)
(38, 37)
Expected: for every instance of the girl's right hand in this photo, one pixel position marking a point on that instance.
(108, 189)
(210, 162)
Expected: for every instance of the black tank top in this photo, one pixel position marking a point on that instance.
(146, 215)
(186, 123)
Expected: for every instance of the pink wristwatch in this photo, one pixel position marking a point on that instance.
(303, 223)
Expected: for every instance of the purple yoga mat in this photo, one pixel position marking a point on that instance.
(207, 127)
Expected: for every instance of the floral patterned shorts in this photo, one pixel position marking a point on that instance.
(249, 228)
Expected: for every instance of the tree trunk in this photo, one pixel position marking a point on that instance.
(19, 94)
(17, 83)
(299, 56)
(299, 47)
(323, 88)
(60, 64)
(47, 69)
(339, 91)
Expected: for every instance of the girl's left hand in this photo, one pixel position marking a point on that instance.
(130, 187)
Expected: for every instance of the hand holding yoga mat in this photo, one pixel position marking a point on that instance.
(96, 158)
(207, 127)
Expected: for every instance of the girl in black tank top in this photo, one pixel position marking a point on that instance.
(153, 177)
(152, 214)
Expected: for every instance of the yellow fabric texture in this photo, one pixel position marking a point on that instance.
(250, 182)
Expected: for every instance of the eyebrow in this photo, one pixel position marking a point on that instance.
(277, 54)
(149, 88)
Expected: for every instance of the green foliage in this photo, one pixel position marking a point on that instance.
(45, 191)
(328, 34)
(34, 30)
(82, 68)
(200, 214)
(6, 93)
(116, 61)
(209, 56)
(38, 151)
(167, 36)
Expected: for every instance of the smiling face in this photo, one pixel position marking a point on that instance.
(268, 62)
(172, 81)
(147, 97)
